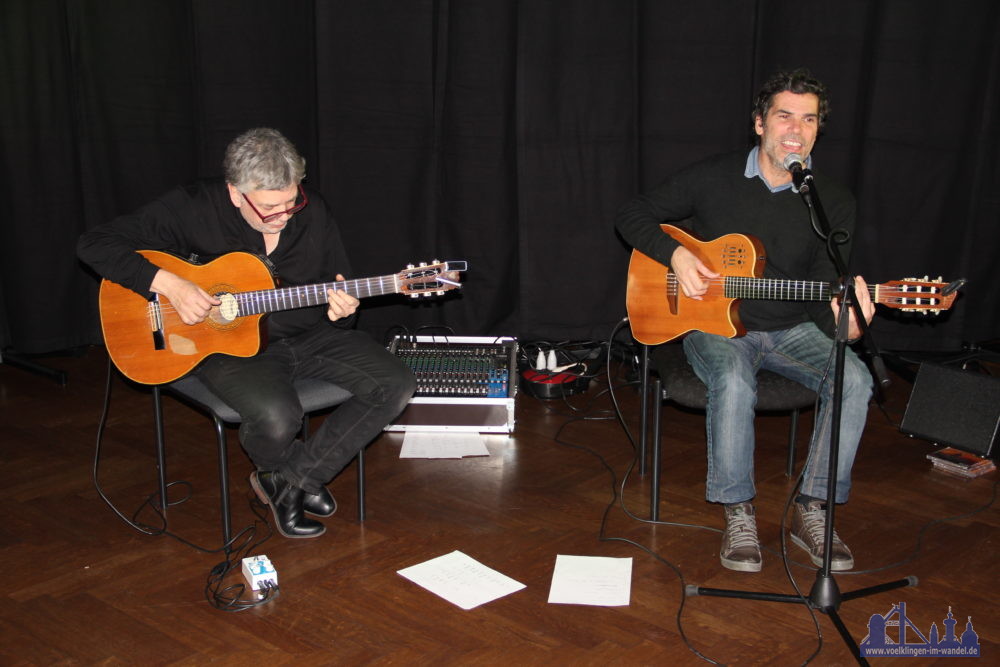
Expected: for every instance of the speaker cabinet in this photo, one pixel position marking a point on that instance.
(953, 407)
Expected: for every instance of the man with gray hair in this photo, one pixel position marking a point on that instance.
(262, 208)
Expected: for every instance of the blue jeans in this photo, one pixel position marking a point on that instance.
(728, 367)
(260, 388)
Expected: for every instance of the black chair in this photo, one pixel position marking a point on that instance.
(314, 395)
(677, 382)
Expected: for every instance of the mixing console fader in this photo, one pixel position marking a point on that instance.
(464, 383)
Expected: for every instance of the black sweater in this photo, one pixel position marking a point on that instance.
(713, 198)
(199, 221)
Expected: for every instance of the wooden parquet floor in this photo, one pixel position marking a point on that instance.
(81, 587)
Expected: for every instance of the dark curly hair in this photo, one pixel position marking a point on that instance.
(799, 81)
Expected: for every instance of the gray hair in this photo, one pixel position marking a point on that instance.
(263, 159)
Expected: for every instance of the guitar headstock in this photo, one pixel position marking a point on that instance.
(917, 295)
(427, 279)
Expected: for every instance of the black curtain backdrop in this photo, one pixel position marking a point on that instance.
(505, 133)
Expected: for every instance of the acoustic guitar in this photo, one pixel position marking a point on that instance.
(149, 343)
(658, 310)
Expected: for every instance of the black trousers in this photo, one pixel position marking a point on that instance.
(261, 389)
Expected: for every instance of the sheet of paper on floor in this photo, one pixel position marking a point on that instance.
(593, 580)
(442, 445)
(461, 580)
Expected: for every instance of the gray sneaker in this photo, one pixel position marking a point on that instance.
(740, 546)
(808, 527)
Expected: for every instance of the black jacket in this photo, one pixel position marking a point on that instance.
(199, 222)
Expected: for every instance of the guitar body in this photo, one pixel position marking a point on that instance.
(152, 348)
(657, 309)
(150, 344)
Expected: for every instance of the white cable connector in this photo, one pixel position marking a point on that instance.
(547, 362)
(259, 573)
(560, 369)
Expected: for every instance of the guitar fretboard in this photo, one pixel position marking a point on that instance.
(287, 298)
(738, 287)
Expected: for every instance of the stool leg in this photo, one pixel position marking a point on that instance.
(792, 434)
(361, 485)
(161, 456)
(227, 528)
(654, 483)
(643, 407)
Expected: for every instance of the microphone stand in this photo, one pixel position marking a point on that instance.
(825, 595)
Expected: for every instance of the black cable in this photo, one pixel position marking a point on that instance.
(604, 537)
(149, 501)
(228, 599)
(617, 498)
(784, 555)
(786, 561)
(432, 327)
(101, 424)
(388, 338)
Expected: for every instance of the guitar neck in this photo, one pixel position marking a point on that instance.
(738, 287)
(288, 298)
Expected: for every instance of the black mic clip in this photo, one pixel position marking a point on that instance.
(801, 176)
(802, 179)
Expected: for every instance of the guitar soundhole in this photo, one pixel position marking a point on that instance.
(225, 315)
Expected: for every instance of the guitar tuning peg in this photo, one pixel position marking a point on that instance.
(414, 296)
(441, 293)
(436, 261)
(409, 266)
(423, 263)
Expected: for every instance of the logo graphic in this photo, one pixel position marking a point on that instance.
(879, 644)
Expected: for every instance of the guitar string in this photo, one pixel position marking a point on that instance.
(359, 288)
(772, 285)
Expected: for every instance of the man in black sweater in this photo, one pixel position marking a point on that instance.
(754, 195)
(262, 208)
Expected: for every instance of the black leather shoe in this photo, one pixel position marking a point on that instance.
(285, 501)
(320, 504)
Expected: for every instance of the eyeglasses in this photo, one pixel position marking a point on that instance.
(298, 206)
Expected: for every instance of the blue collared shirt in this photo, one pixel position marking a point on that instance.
(753, 169)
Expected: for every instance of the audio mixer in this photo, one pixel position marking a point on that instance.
(464, 383)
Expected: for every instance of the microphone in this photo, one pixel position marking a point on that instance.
(800, 174)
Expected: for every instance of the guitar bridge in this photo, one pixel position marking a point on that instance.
(672, 289)
(156, 322)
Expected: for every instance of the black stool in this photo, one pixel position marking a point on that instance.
(314, 395)
(678, 383)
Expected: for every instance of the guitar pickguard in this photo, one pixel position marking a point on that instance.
(182, 345)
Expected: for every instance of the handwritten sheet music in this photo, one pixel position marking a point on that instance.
(592, 580)
(461, 580)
